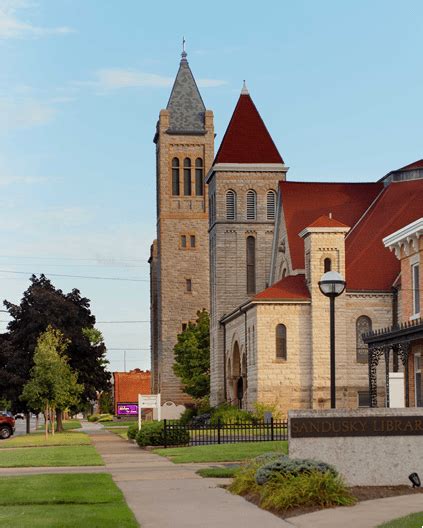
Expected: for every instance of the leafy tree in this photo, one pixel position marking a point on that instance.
(52, 384)
(43, 305)
(192, 357)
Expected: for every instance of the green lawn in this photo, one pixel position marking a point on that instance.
(63, 501)
(222, 452)
(415, 520)
(118, 424)
(67, 425)
(38, 439)
(79, 455)
(119, 432)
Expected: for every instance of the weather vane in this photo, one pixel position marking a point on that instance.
(183, 44)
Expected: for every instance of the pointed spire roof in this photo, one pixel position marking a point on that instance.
(247, 139)
(185, 104)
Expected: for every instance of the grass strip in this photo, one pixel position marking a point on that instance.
(218, 472)
(409, 521)
(39, 440)
(56, 456)
(221, 453)
(63, 501)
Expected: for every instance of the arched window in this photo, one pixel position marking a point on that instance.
(175, 177)
(251, 265)
(363, 325)
(327, 264)
(230, 205)
(280, 341)
(271, 205)
(187, 177)
(251, 205)
(199, 185)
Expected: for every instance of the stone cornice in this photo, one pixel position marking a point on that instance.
(246, 167)
(406, 237)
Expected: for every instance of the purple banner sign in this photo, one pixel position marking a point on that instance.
(127, 409)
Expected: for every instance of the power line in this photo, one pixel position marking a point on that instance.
(101, 259)
(79, 276)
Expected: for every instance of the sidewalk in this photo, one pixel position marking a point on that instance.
(166, 495)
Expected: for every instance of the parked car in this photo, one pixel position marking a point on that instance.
(19, 416)
(7, 426)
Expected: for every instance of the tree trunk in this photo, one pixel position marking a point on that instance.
(37, 421)
(46, 414)
(59, 417)
(52, 421)
(28, 422)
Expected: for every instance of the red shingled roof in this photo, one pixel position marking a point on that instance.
(304, 202)
(247, 139)
(372, 210)
(127, 385)
(415, 165)
(327, 221)
(371, 266)
(291, 287)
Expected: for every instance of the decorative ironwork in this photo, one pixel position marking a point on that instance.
(403, 352)
(386, 352)
(375, 353)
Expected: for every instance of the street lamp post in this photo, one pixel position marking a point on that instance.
(332, 285)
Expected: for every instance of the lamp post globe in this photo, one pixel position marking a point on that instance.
(332, 284)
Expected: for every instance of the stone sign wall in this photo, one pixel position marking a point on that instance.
(370, 447)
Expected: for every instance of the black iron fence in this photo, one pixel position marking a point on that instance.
(176, 433)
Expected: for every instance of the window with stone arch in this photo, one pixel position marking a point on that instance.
(363, 325)
(281, 342)
(187, 177)
(251, 205)
(175, 177)
(199, 180)
(271, 205)
(251, 265)
(230, 205)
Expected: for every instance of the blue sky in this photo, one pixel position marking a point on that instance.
(339, 85)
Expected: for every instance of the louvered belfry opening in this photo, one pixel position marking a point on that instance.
(251, 265)
(199, 179)
(271, 205)
(251, 205)
(230, 205)
(175, 177)
(187, 177)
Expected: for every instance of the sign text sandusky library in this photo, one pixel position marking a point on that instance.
(356, 426)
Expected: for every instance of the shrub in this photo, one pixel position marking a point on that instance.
(286, 466)
(93, 417)
(105, 418)
(245, 482)
(152, 434)
(132, 431)
(261, 408)
(306, 489)
(227, 414)
(187, 415)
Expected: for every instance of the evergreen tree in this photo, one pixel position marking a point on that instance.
(192, 357)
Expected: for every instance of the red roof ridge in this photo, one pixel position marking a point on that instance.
(327, 221)
(247, 139)
(292, 287)
(418, 164)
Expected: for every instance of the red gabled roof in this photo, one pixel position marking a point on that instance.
(326, 221)
(415, 165)
(302, 203)
(371, 266)
(247, 139)
(289, 288)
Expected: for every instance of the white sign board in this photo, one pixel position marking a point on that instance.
(148, 401)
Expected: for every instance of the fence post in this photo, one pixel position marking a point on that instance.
(165, 432)
(272, 431)
(218, 430)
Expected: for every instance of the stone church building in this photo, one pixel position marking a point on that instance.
(262, 243)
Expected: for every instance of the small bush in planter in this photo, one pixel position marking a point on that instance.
(286, 466)
(152, 434)
(132, 431)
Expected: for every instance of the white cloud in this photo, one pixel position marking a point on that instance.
(108, 79)
(12, 26)
(24, 113)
